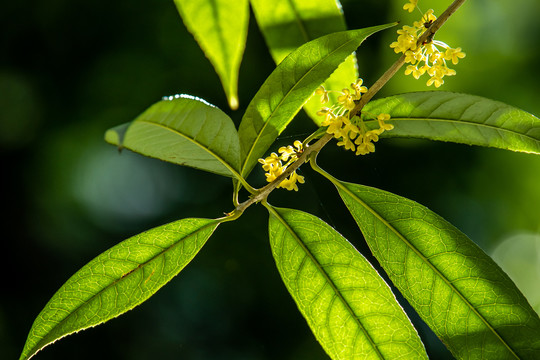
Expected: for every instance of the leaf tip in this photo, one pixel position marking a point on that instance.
(115, 136)
(233, 102)
(111, 137)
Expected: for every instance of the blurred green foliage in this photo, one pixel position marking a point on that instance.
(71, 70)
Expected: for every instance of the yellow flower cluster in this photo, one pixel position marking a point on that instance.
(433, 59)
(345, 129)
(274, 167)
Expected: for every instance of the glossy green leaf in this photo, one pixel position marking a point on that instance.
(220, 28)
(287, 24)
(460, 118)
(289, 86)
(458, 290)
(348, 306)
(183, 130)
(118, 280)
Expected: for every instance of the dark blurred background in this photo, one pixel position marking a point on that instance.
(69, 70)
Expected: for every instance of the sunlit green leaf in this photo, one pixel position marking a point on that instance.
(289, 86)
(183, 130)
(287, 24)
(220, 28)
(348, 306)
(118, 280)
(459, 291)
(460, 118)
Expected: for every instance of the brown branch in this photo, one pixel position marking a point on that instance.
(263, 192)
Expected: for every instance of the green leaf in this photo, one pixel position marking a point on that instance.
(118, 280)
(458, 290)
(460, 118)
(220, 29)
(348, 306)
(289, 86)
(183, 130)
(287, 24)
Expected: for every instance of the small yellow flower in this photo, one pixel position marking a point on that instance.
(286, 152)
(381, 118)
(271, 162)
(438, 81)
(274, 173)
(324, 94)
(412, 56)
(290, 182)
(365, 147)
(324, 111)
(290, 152)
(328, 114)
(346, 99)
(346, 143)
(450, 72)
(454, 55)
(349, 129)
(335, 127)
(410, 5)
(416, 72)
(428, 18)
(406, 40)
(358, 88)
(274, 167)
(371, 136)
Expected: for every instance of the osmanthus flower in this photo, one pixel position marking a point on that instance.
(274, 167)
(270, 163)
(428, 57)
(290, 152)
(290, 182)
(410, 6)
(359, 89)
(339, 123)
(381, 118)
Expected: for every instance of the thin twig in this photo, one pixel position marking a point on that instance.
(263, 192)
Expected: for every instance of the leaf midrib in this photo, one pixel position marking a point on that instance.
(426, 260)
(457, 122)
(327, 278)
(299, 21)
(135, 270)
(192, 140)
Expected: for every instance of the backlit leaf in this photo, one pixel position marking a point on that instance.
(118, 280)
(460, 118)
(289, 86)
(348, 306)
(183, 130)
(220, 28)
(459, 291)
(287, 24)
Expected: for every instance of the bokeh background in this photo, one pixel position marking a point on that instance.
(69, 70)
